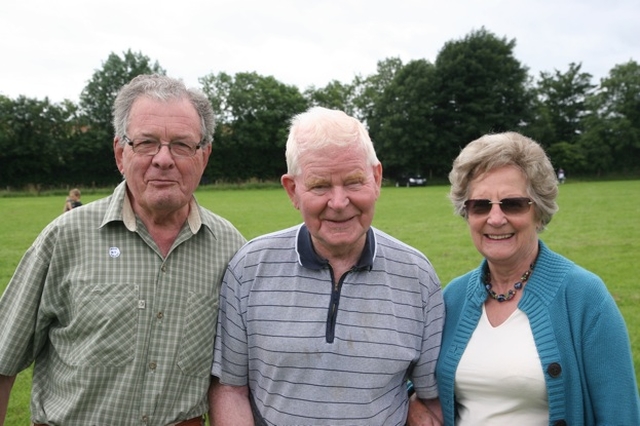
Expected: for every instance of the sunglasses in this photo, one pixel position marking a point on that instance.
(511, 206)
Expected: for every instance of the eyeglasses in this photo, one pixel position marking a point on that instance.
(511, 206)
(151, 147)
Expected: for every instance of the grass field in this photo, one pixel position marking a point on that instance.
(598, 227)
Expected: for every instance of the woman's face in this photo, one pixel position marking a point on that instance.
(508, 240)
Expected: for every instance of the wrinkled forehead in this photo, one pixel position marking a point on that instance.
(310, 153)
(338, 170)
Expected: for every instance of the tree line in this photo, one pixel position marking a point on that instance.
(419, 115)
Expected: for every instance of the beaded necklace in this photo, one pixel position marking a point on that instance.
(512, 292)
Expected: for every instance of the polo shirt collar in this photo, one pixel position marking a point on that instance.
(308, 258)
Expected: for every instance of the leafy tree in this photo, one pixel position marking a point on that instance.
(32, 141)
(96, 132)
(6, 139)
(401, 124)
(253, 114)
(612, 138)
(367, 90)
(80, 164)
(561, 100)
(567, 156)
(480, 87)
(335, 95)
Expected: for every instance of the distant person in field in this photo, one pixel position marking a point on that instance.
(73, 200)
(531, 338)
(322, 323)
(561, 176)
(117, 302)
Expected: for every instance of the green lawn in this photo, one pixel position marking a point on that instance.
(597, 227)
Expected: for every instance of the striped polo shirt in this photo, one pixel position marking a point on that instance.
(317, 349)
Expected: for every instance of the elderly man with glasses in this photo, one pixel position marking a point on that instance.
(116, 301)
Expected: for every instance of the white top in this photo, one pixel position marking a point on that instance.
(499, 380)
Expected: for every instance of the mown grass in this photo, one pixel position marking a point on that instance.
(597, 227)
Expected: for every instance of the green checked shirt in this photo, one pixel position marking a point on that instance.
(119, 334)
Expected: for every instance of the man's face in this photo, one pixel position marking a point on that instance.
(162, 184)
(336, 193)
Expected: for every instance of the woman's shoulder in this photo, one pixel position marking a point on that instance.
(459, 285)
(560, 269)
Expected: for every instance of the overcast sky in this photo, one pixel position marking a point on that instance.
(52, 48)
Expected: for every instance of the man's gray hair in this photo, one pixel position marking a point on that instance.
(161, 88)
(320, 127)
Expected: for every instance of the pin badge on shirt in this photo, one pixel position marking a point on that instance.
(114, 252)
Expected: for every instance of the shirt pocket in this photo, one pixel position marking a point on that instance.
(105, 326)
(196, 346)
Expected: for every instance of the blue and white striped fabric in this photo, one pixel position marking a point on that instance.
(304, 365)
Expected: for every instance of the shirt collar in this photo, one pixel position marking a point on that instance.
(128, 217)
(308, 258)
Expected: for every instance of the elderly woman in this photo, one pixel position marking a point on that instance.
(530, 338)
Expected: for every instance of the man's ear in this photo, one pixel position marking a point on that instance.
(289, 184)
(118, 152)
(377, 173)
(206, 152)
(377, 176)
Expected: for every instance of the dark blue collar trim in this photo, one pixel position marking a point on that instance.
(309, 259)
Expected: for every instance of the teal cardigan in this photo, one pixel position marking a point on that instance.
(578, 330)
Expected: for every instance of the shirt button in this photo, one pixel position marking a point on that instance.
(164, 268)
(554, 369)
(145, 419)
(152, 365)
(160, 315)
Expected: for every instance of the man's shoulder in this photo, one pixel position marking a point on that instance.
(277, 240)
(280, 243)
(459, 286)
(215, 221)
(276, 249)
